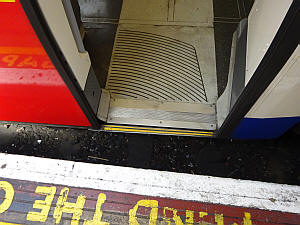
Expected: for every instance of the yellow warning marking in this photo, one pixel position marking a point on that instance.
(4, 223)
(156, 131)
(43, 205)
(76, 209)
(175, 217)
(7, 0)
(247, 219)
(97, 219)
(8, 197)
(202, 214)
(153, 204)
(219, 219)
(21, 50)
(161, 129)
(189, 217)
(63, 206)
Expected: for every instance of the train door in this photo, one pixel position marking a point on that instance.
(261, 99)
(162, 71)
(36, 83)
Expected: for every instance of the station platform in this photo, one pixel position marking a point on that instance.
(48, 191)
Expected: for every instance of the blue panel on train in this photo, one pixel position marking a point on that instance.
(253, 128)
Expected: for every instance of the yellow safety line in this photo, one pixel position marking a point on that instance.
(7, 0)
(21, 50)
(157, 132)
(158, 129)
(4, 223)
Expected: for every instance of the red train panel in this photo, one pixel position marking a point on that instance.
(31, 89)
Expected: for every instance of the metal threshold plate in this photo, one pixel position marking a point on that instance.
(162, 114)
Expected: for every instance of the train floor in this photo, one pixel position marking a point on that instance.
(174, 54)
(102, 26)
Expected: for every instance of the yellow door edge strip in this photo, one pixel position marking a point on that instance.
(156, 129)
(119, 129)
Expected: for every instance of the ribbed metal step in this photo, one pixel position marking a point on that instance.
(162, 114)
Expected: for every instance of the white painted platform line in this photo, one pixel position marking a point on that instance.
(252, 194)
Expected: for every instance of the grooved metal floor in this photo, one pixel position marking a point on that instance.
(162, 115)
(169, 59)
(151, 66)
(163, 63)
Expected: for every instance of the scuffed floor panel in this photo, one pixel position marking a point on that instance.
(168, 12)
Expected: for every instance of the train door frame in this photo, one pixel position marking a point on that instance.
(41, 28)
(282, 47)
